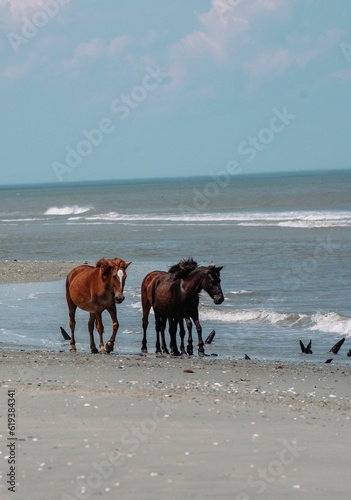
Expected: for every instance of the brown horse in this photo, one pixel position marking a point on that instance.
(148, 285)
(178, 298)
(94, 289)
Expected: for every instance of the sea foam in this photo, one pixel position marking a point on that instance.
(331, 322)
(67, 210)
(293, 219)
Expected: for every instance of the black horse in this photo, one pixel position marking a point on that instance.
(176, 299)
(151, 280)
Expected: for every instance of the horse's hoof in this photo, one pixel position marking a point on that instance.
(73, 349)
(144, 350)
(109, 348)
(201, 354)
(94, 351)
(175, 354)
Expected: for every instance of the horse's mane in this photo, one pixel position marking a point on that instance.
(116, 262)
(102, 262)
(183, 268)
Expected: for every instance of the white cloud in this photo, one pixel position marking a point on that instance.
(220, 27)
(17, 71)
(97, 49)
(298, 51)
(119, 43)
(344, 75)
(91, 49)
(20, 8)
(21, 5)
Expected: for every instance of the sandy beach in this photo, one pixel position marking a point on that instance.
(26, 271)
(132, 427)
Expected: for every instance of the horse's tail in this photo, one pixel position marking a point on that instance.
(68, 281)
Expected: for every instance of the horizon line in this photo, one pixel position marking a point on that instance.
(142, 180)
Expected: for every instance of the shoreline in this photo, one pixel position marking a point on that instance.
(51, 271)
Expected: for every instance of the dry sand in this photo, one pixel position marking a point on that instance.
(141, 427)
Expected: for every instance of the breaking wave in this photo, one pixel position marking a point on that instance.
(248, 316)
(297, 219)
(67, 210)
(330, 322)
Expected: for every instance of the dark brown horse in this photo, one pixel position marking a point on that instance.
(94, 289)
(182, 269)
(176, 299)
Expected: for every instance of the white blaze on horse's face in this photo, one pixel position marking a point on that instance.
(120, 274)
(119, 296)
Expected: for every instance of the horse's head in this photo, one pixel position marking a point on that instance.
(212, 283)
(113, 272)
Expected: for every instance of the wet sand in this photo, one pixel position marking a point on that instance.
(27, 271)
(143, 427)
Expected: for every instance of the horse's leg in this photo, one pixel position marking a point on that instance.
(146, 311)
(163, 322)
(173, 333)
(110, 344)
(182, 335)
(158, 329)
(91, 324)
(200, 344)
(189, 348)
(100, 329)
(72, 322)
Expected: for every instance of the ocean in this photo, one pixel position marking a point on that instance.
(283, 241)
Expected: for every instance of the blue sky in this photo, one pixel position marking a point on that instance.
(115, 89)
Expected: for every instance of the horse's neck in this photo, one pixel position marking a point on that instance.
(192, 285)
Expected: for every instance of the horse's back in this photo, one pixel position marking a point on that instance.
(77, 280)
(165, 296)
(170, 298)
(147, 286)
(78, 271)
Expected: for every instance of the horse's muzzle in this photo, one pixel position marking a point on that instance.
(119, 300)
(218, 299)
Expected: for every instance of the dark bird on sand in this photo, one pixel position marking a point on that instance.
(65, 334)
(306, 349)
(336, 347)
(210, 337)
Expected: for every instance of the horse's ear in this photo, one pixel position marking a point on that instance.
(127, 264)
(218, 268)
